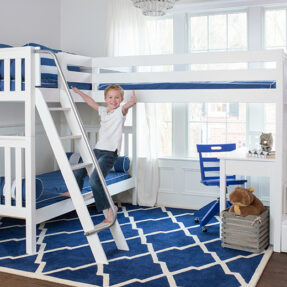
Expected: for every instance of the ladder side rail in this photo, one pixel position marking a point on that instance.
(30, 162)
(70, 180)
(74, 109)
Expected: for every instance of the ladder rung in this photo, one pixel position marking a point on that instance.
(99, 227)
(59, 109)
(80, 165)
(71, 137)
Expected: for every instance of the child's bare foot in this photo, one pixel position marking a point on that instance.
(109, 218)
(66, 194)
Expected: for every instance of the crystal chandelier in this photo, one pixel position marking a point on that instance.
(154, 7)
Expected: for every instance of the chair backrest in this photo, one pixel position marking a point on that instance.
(209, 163)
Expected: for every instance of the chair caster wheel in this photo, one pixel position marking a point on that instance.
(196, 220)
(204, 229)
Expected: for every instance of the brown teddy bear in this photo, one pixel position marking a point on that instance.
(245, 202)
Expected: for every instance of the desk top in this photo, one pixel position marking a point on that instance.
(243, 155)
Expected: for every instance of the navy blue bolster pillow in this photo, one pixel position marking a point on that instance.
(39, 188)
(122, 164)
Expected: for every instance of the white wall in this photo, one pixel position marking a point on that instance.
(22, 22)
(25, 21)
(83, 26)
(72, 25)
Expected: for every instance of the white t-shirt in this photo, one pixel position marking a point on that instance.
(111, 129)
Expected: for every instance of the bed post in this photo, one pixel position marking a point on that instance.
(30, 153)
(134, 151)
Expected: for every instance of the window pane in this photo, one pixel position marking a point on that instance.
(216, 133)
(198, 33)
(159, 36)
(270, 120)
(237, 112)
(217, 32)
(217, 112)
(275, 28)
(236, 133)
(237, 31)
(197, 134)
(270, 113)
(197, 112)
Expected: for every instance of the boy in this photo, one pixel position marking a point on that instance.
(110, 138)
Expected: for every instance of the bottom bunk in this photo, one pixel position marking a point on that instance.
(49, 186)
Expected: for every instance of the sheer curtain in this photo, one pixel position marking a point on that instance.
(128, 34)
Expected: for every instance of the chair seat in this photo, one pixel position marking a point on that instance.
(230, 180)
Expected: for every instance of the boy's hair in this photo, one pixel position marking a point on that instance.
(114, 87)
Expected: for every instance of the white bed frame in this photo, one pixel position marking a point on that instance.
(254, 71)
(17, 146)
(257, 73)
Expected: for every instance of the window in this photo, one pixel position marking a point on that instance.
(218, 32)
(275, 29)
(217, 122)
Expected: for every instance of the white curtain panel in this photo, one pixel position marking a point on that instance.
(128, 35)
(125, 29)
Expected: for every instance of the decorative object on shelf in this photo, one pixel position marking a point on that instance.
(154, 7)
(260, 153)
(266, 142)
(265, 150)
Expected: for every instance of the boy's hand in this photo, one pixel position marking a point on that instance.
(130, 103)
(133, 98)
(76, 90)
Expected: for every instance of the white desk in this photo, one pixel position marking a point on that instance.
(239, 163)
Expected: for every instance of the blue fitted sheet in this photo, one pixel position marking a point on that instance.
(53, 83)
(53, 184)
(195, 85)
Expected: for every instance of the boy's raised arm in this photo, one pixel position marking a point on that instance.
(87, 99)
(129, 104)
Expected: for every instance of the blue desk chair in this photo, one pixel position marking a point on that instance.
(209, 170)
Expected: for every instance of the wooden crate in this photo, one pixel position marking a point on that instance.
(248, 233)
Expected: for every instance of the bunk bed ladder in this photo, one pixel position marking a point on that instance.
(90, 162)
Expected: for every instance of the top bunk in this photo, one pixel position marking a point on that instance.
(234, 76)
(237, 76)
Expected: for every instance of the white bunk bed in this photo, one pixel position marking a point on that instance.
(19, 151)
(274, 93)
(208, 86)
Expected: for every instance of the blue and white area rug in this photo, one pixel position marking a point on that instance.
(166, 249)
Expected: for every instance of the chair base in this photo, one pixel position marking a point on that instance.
(212, 210)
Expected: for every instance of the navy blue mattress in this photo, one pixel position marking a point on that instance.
(53, 83)
(195, 85)
(49, 185)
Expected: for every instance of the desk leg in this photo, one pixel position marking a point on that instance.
(222, 188)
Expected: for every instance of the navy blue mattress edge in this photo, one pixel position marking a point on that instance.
(158, 86)
(195, 85)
